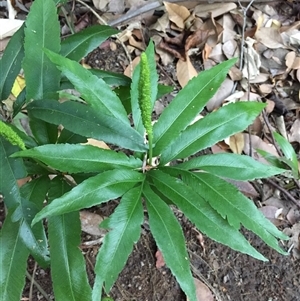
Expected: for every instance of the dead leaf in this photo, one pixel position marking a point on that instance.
(203, 293)
(295, 131)
(177, 13)
(214, 9)
(270, 37)
(90, 223)
(294, 234)
(101, 4)
(236, 143)
(96, 143)
(252, 60)
(9, 27)
(223, 92)
(258, 143)
(244, 187)
(129, 70)
(185, 71)
(166, 57)
(199, 37)
(272, 213)
(160, 262)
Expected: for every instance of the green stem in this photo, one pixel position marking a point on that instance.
(150, 139)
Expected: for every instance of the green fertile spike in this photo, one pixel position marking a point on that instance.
(10, 135)
(145, 100)
(145, 94)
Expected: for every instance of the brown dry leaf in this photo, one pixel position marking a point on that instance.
(9, 27)
(228, 25)
(235, 74)
(244, 187)
(270, 37)
(178, 53)
(206, 52)
(97, 143)
(236, 143)
(258, 143)
(90, 223)
(216, 31)
(203, 293)
(214, 9)
(223, 92)
(166, 57)
(198, 38)
(161, 24)
(217, 54)
(271, 213)
(160, 262)
(129, 70)
(185, 71)
(231, 49)
(177, 13)
(265, 89)
(295, 131)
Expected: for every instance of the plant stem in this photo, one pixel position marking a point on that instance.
(150, 139)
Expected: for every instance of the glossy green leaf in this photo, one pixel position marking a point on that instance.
(10, 63)
(67, 136)
(82, 120)
(197, 210)
(10, 171)
(98, 189)
(42, 131)
(80, 158)
(33, 195)
(211, 129)
(68, 270)
(125, 224)
(112, 78)
(80, 44)
(93, 89)
(19, 103)
(235, 207)
(42, 31)
(13, 261)
(188, 103)
(169, 238)
(288, 152)
(231, 166)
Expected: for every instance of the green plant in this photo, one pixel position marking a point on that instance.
(53, 147)
(289, 159)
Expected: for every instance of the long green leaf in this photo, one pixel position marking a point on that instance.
(125, 224)
(188, 103)
(235, 207)
(10, 63)
(81, 119)
(10, 171)
(42, 31)
(80, 44)
(93, 191)
(68, 268)
(206, 219)
(13, 261)
(231, 166)
(288, 152)
(93, 89)
(80, 158)
(169, 238)
(33, 195)
(211, 129)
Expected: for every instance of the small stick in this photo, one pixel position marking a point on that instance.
(40, 289)
(284, 191)
(31, 282)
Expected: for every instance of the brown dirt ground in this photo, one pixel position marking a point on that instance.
(230, 275)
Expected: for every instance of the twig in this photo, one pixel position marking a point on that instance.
(31, 282)
(284, 191)
(40, 289)
(105, 23)
(266, 120)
